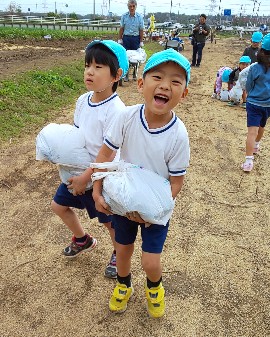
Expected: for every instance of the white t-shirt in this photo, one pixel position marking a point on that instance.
(95, 119)
(164, 150)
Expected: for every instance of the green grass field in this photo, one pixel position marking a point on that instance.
(29, 100)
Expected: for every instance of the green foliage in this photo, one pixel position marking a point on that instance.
(52, 15)
(31, 100)
(151, 48)
(38, 34)
(73, 16)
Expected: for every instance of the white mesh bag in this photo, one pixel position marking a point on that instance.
(129, 188)
(64, 145)
(235, 93)
(224, 95)
(138, 55)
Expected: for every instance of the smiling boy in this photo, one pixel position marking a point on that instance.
(152, 136)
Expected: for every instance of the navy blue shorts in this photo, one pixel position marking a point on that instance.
(64, 198)
(153, 237)
(257, 115)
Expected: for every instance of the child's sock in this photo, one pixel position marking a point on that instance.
(81, 241)
(249, 159)
(151, 284)
(125, 280)
(257, 145)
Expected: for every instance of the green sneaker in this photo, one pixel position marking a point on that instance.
(155, 301)
(120, 297)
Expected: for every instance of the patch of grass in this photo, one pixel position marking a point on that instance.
(30, 100)
(10, 33)
(151, 48)
(34, 98)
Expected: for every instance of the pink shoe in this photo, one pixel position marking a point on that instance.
(247, 167)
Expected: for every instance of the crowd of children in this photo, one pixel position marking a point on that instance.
(225, 81)
(109, 126)
(255, 93)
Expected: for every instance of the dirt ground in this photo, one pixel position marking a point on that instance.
(216, 258)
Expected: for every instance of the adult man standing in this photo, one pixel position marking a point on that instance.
(131, 28)
(200, 31)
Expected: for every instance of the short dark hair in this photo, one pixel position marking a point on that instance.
(103, 55)
(204, 16)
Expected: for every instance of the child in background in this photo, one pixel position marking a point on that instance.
(105, 63)
(234, 75)
(252, 50)
(162, 136)
(221, 79)
(258, 102)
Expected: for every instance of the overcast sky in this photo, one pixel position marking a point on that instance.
(83, 7)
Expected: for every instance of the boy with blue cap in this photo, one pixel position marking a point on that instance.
(244, 62)
(105, 63)
(152, 136)
(253, 49)
(258, 102)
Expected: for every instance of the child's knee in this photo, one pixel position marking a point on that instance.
(150, 262)
(58, 209)
(54, 206)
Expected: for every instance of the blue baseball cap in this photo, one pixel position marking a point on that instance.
(245, 59)
(266, 42)
(166, 56)
(257, 37)
(225, 75)
(118, 50)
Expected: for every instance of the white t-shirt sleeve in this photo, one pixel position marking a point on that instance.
(179, 158)
(114, 136)
(112, 115)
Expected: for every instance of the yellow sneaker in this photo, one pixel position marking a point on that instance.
(155, 301)
(120, 297)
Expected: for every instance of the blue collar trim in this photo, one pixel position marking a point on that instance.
(159, 131)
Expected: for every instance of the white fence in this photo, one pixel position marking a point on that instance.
(54, 21)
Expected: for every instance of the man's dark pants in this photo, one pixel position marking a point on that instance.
(197, 49)
(131, 42)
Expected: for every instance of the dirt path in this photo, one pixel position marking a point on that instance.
(216, 258)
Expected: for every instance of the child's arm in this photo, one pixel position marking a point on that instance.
(105, 155)
(176, 184)
(78, 183)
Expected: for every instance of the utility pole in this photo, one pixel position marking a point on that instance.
(94, 8)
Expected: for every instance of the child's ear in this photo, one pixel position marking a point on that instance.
(118, 74)
(140, 85)
(184, 94)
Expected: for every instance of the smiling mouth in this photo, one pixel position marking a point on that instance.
(160, 99)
